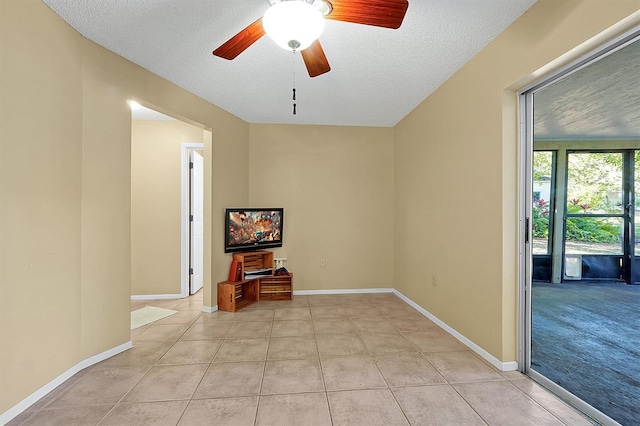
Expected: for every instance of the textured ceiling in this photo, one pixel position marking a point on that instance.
(377, 75)
(599, 101)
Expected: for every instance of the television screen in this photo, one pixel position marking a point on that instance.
(253, 229)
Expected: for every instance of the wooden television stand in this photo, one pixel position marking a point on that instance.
(235, 295)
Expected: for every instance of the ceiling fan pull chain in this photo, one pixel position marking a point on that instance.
(294, 98)
(294, 82)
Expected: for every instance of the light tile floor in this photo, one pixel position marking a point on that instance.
(354, 359)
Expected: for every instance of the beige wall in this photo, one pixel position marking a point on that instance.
(40, 210)
(336, 186)
(65, 131)
(105, 243)
(455, 173)
(155, 204)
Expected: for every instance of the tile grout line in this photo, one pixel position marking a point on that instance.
(156, 364)
(535, 401)
(264, 368)
(390, 390)
(324, 384)
(205, 372)
(451, 385)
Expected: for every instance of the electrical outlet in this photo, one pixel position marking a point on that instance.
(323, 262)
(434, 280)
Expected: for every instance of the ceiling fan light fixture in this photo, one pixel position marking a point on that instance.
(293, 25)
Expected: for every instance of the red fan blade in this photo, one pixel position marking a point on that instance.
(379, 13)
(315, 60)
(241, 41)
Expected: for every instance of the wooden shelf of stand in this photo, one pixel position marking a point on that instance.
(276, 287)
(252, 260)
(233, 296)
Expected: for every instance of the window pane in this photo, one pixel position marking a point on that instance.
(594, 183)
(542, 169)
(594, 235)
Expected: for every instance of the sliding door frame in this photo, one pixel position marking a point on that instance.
(525, 196)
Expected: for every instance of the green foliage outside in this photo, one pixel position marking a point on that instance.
(591, 229)
(542, 163)
(540, 220)
(594, 182)
(592, 179)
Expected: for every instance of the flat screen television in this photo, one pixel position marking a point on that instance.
(253, 229)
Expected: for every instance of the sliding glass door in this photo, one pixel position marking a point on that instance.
(581, 301)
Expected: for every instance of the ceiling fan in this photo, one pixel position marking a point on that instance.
(286, 22)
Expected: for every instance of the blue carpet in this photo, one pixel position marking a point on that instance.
(586, 338)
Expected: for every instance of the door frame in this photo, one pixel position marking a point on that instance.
(185, 240)
(196, 222)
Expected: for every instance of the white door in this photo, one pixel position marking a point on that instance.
(197, 222)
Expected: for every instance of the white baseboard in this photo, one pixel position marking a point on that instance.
(209, 309)
(502, 366)
(342, 291)
(156, 296)
(31, 399)
(509, 366)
